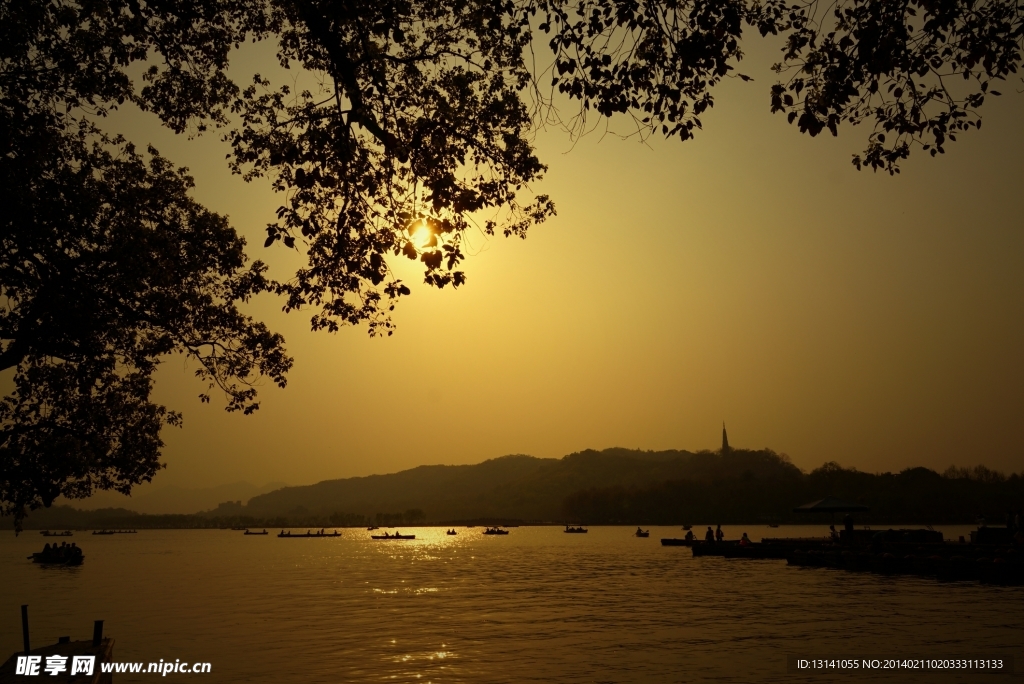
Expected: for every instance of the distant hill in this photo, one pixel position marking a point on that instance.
(614, 486)
(914, 495)
(510, 487)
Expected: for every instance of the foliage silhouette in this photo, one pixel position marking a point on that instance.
(419, 131)
(108, 265)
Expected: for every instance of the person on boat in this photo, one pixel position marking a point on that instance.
(745, 540)
(690, 536)
(709, 536)
(833, 535)
(719, 535)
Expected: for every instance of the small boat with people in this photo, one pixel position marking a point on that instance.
(495, 530)
(103, 532)
(65, 554)
(250, 532)
(642, 533)
(396, 535)
(576, 530)
(65, 533)
(451, 533)
(320, 533)
(689, 540)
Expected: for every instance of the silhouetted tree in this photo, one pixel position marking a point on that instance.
(419, 130)
(918, 70)
(107, 265)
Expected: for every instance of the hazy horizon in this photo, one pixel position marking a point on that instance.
(158, 498)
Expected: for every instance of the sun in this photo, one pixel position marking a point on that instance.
(421, 235)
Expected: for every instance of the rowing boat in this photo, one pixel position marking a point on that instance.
(679, 542)
(392, 536)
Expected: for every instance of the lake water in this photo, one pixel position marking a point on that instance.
(537, 605)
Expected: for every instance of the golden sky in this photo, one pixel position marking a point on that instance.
(751, 276)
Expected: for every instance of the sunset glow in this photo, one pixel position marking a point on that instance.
(421, 236)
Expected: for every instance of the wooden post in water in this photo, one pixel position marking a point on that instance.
(97, 632)
(24, 627)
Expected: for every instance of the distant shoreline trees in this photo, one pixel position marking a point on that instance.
(915, 495)
(741, 486)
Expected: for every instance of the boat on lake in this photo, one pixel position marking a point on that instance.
(59, 555)
(679, 542)
(321, 533)
(495, 530)
(575, 530)
(65, 533)
(261, 533)
(396, 535)
(68, 562)
(451, 533)
(642, 533)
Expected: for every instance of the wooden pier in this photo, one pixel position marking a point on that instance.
(102, 649)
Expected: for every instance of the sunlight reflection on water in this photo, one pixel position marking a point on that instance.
(536, 605)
